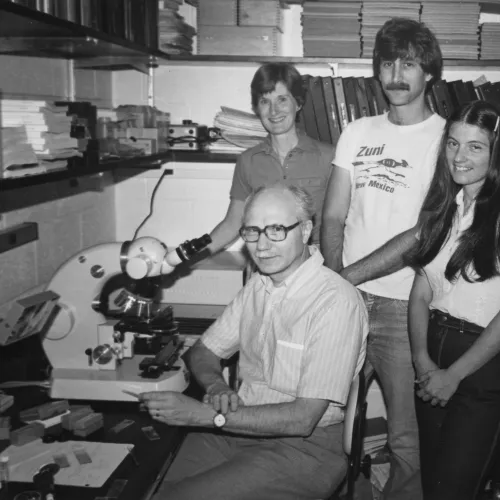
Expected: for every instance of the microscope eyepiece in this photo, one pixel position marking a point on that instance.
(191, 247)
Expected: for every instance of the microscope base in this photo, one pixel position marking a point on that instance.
(107, 385)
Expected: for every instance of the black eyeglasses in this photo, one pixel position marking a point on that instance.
(274, 232)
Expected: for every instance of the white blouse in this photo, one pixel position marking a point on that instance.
(476, 302)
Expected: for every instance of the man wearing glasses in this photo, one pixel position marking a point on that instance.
(300, 330)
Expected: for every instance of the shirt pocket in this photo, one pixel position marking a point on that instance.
(286, 367)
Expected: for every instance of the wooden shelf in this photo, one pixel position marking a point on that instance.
(253, 60)
(201, 157)
(28, 32)
(139, 162)
(72, 173)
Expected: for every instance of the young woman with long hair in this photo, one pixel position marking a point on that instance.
(454, 309)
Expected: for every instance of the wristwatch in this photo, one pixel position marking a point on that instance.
(219, 420)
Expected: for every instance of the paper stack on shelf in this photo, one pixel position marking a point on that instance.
(375, 14)
(490, 41)
(47, 128)
(175, 36)
(458, 34)
(17, 156)
(331, 29)
(239, 130)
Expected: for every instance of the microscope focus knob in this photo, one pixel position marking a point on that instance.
(139, 267)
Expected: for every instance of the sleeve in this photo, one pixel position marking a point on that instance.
(223, 337)
(240, 188)
(345, 151)
(335, 351)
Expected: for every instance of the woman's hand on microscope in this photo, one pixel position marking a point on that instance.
(222, 398)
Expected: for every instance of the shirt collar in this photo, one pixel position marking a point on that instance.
(305, 144)
(459, 199)
(296, 280)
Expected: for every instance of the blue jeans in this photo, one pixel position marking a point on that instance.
(389, 354)
(457, 441)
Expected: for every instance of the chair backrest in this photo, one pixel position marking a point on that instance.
(350, 414)
(354, 422)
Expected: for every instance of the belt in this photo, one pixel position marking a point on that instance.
(445, 319)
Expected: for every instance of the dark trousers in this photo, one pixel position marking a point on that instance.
(457, 442)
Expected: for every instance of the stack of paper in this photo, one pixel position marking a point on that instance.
(175, 36)
(458, 34)
(331, 29)
(239, 130)
(490, 41)
(38, 135)
(375, 13)
(16, 151)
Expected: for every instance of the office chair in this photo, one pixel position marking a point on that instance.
(354, 427)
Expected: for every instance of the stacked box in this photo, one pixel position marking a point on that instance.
(88, 424)
(68, 421)
(217, 13)
(4, 428)
(239, 27)
(44, 411)
(260, 13)
(239, 40)
(26, 434)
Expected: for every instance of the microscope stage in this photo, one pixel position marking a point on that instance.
(108, 385)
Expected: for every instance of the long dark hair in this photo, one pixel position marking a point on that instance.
(478, 247)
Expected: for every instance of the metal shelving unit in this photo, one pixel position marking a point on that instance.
(27, 32)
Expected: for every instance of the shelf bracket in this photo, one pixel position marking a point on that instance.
(151, 86)
(71, 89)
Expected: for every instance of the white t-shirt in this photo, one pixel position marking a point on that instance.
(391, 167)
(477, 302)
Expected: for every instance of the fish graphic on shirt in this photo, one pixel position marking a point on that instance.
(386, 170)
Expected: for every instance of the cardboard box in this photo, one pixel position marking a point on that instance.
(217, 12)
(239, 40)
(260, 13)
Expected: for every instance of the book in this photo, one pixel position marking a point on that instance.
(342, 113)
(331, 109)
(382, 103)
(370, 96)
(350, 98)
(444, 105)
(308, 117)
(316, 92)
(361, 97)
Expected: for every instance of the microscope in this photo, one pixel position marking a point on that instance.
(110, 337)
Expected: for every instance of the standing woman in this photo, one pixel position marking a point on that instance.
(454, 309)
(287, 155)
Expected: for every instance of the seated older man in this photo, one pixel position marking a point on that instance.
(300, 330)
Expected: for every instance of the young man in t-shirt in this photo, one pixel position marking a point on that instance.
(383, 166)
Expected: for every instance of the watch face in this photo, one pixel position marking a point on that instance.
(219, 420)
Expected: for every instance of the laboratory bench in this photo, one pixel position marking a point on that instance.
(138, 474)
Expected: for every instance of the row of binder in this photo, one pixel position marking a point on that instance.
(333, 102)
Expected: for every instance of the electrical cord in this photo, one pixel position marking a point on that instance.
(151, 205)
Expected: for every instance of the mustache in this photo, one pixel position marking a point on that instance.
(398, 86)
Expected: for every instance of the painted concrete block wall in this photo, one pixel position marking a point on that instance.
(70, 216)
